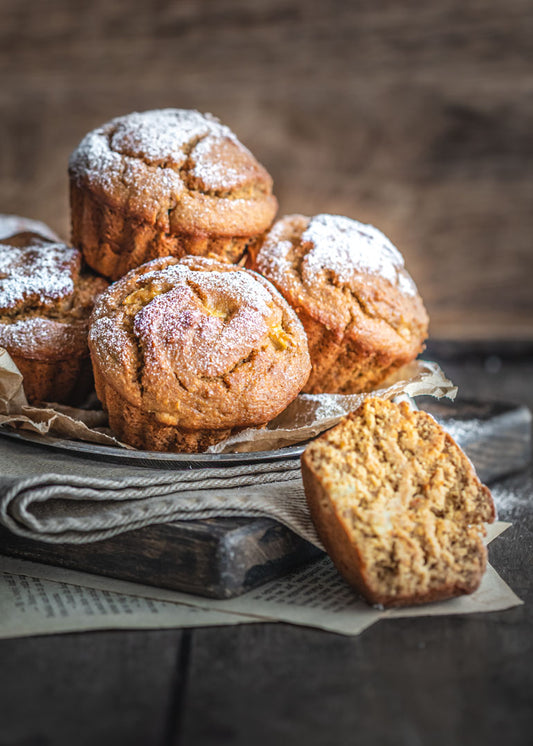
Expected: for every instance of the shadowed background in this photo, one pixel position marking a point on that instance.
(414, 116)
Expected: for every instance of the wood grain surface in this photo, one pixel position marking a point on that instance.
(217, 558)
(414, 116)
(458, 680)
(461, 680)
(91, 689)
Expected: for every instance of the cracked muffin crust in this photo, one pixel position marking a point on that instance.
(45, 303)
(186, 351)
(167, 182)
(398, 505)
(359, 307)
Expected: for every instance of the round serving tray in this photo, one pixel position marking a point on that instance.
(152, 459)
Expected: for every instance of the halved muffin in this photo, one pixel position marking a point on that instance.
(398, 505)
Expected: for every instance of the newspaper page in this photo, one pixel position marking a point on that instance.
(314, 595)
(32, 605)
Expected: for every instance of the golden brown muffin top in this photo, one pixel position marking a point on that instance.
(18, 231)
(179, 169)
(345, 274)
(45, 300)
(199, 343)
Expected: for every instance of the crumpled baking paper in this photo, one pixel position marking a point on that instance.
(307, 416)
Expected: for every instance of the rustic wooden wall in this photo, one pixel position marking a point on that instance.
(415, 116)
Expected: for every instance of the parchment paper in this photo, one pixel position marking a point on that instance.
(306, 417)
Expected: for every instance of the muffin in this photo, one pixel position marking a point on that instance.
(169, 182)
(185, 352)
(360, 309)
(18, 231)
(398, 505)
(45, 303)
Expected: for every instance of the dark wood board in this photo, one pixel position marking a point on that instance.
(223, 558)
(218, 558)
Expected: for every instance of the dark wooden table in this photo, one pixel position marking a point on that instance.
(440, 681)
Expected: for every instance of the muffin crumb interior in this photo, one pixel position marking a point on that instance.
(403, 492)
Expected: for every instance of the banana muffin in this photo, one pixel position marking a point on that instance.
(18, 231)
(45, 303)
(398, 505)
(168, 182)
(187, 351)
(359, 307)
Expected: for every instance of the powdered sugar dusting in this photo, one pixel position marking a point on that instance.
(37, 333)
(164, 136)
(105, 333)
(239, 286)
(276, 262)
(341, 245)
(209, 170)
(514, 495)
(209, 320)
(11, 225)
(36, 275)
(94, 160)
(463, 430)
(144, 151)
(406, 284)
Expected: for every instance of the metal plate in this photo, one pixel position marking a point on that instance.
(495, 435)
(151, 459)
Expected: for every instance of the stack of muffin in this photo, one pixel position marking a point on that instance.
(215, 319)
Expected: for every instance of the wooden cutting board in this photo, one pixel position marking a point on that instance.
(225, 557)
